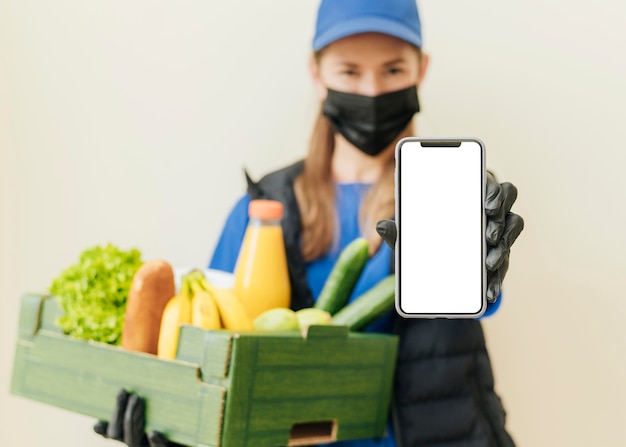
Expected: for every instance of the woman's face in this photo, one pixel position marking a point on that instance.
(367, 64)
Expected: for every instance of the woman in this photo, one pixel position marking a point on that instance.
(366, 69)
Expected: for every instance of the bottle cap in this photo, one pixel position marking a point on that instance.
(265, 209)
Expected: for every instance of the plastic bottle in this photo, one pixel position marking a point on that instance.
(261, 275)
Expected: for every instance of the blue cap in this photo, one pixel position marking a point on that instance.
(340, 18)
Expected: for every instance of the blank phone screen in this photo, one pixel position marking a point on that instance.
(439, 211)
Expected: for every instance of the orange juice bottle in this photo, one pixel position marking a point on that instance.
(261, 275)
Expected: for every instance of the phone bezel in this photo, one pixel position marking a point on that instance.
(438, 142)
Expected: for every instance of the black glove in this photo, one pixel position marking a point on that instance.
(503, 228)
(127, 424)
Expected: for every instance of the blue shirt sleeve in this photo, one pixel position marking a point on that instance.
(228, 245)
(492, 308)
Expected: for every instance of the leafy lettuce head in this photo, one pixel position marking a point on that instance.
(93, 293)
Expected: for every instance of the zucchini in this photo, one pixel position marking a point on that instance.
(343, 277)
(368, 307)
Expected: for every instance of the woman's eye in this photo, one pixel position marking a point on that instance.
(395, 70)
(349, 72)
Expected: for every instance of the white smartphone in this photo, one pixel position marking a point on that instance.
(440, 249)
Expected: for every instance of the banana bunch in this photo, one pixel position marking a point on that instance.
(199, 303)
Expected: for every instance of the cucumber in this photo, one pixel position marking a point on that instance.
(368, 307)
(343, 277)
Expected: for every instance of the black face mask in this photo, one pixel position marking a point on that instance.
(371, 123)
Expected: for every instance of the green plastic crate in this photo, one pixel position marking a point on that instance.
(233, 389)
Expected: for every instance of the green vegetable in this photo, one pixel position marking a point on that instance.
(343, 277)
(93, 293)
(368, 307)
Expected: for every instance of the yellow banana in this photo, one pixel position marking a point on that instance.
(204, 312)
(234, 315)
(177, 311)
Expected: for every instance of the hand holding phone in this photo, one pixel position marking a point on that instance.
(503, 228)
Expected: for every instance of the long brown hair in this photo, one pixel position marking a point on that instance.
(315, 194)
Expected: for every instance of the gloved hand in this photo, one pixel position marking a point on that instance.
(502, 229)
(127, 424)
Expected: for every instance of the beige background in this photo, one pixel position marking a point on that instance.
(129, 122)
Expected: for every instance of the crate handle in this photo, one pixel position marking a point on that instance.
(311, 433)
